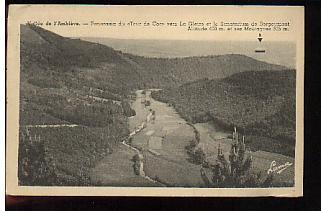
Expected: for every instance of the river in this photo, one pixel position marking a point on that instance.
(162, 143)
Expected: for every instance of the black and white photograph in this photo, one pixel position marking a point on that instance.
(107, 108)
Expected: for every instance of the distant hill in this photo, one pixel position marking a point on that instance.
(277, 52)
(70, 81)
(52, 61)
(182, 70)
(258, 103)
(42, 49)
(46, 48)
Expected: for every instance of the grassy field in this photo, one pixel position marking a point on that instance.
(173, 174)
(117, 169)
(171, 167)
(259, 103)
(210, 139)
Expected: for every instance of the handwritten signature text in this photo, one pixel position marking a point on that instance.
(278, 169)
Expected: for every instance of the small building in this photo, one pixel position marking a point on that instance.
(155, 142)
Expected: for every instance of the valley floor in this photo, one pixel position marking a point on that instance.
(167, 162)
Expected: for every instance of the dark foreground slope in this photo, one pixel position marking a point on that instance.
(57, 88)
(260, 104)
(67, 81)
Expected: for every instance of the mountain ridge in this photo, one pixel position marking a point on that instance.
(277, 52)
(61, 53)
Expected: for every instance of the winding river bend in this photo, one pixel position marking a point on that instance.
(166, 162)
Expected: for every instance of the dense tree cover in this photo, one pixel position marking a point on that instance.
(72, 110)
(44, 50)
(259, 103)
(51, 61)
(165, 72)
(45, 82)
(55, 91)
(89, 115)
(53, 50)
(34, 168)
(63, 156)
(71, 151)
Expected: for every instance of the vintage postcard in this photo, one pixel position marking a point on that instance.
(155, 100)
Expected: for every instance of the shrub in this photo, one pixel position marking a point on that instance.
(128, 111)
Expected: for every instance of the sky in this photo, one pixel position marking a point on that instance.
(276, 52)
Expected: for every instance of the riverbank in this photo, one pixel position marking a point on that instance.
(120, 164)
(212, 135)
(168, 161)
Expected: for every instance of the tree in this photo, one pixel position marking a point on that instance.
(34, 167)
(237, 172)
(199, 156)
(137, 159)
(147, 103)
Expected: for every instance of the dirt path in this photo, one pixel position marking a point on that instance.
(103, 99)
(50, 126)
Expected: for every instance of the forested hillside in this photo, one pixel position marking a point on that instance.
(47, 55)
(260, 104)
(60, 86)
(67, 81)
(182, 70)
